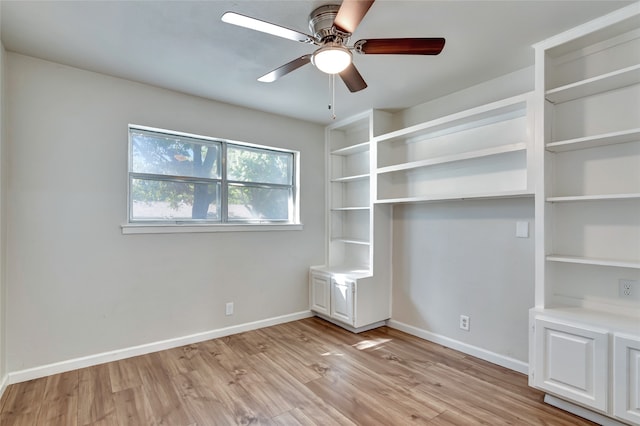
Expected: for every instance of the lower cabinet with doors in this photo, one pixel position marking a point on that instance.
(588, 362)
(626, 377)
(350, 300)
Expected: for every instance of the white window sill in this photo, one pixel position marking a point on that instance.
(160, 228)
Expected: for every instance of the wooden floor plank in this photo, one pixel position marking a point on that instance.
(306, 372)
(26, 397)
(161, 391)
(132, 407)
(62, 411)
(95, 398)
(124, 375)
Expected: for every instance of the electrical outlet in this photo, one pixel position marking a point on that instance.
(464, 322)
(628, 289)
(229, 309)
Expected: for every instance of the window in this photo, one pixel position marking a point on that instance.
(177, 178)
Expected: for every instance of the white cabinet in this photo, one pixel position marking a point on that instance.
(588, 214)
(319, 293)
(342, 299)
(626, 378)
(357, 303)
(571, 361)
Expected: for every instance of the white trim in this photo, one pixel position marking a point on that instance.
(158, 228)
(101, 358)
(348, 327)
(580, 411)
(495, 358)
(4, 382)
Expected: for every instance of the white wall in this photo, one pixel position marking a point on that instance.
(3, 227)
(508, 85)
(77, 285)
(462, 257)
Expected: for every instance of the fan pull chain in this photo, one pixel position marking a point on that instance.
(332, 88)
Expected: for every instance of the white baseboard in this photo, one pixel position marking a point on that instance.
(580, 411)
(350, 328)
(4, 382)
(101, 358)
(502, 360)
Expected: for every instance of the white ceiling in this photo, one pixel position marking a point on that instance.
(183, 45)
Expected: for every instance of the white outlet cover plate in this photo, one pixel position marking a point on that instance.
(522, 229)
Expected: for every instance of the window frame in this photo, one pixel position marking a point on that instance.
(223, 223)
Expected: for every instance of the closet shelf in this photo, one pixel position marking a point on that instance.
(455, 157)
(598, 197)
(457, 197)
(346, 209)
(353, 178)
(474, 117)
(593, 261)
(352, 241)
(352, 149)
(592, 86)
(604, 139)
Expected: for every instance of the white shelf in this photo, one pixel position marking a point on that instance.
(353, 178)
(475, 117)
(457, 197)
(591, 86)
(348, 209)
(612, 138)
(455, 157)
(593, 261)
(352, 149)
(598, 197)
(600, 318)
(344, 270)
(352, 241)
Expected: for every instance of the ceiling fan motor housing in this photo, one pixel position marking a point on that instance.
(321, 24)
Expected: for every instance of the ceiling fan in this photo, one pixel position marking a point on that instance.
(332, 25)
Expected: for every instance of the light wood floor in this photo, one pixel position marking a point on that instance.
(307, 372)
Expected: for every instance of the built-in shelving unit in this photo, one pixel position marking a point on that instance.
(483, 152)
(353, 288)
(592, 86)
(588, 215)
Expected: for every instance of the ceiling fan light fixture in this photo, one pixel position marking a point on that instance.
(332, 58)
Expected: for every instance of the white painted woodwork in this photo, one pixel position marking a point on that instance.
(319, 293)
(588, 208)
(626, 377)
(358, 233)
(572, 362)
(483, 152)
(342, 299)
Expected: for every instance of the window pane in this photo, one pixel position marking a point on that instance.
(170, 200)
(259, 165)
(159, 154)
(251, 203)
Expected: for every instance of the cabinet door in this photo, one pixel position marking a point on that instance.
(319, 298)
(626, 378)
(342, 292)
(571, 362)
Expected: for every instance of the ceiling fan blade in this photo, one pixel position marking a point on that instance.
(266, 27)
(350, 14)
(352, 79)
(400, 46)
(285, 69)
